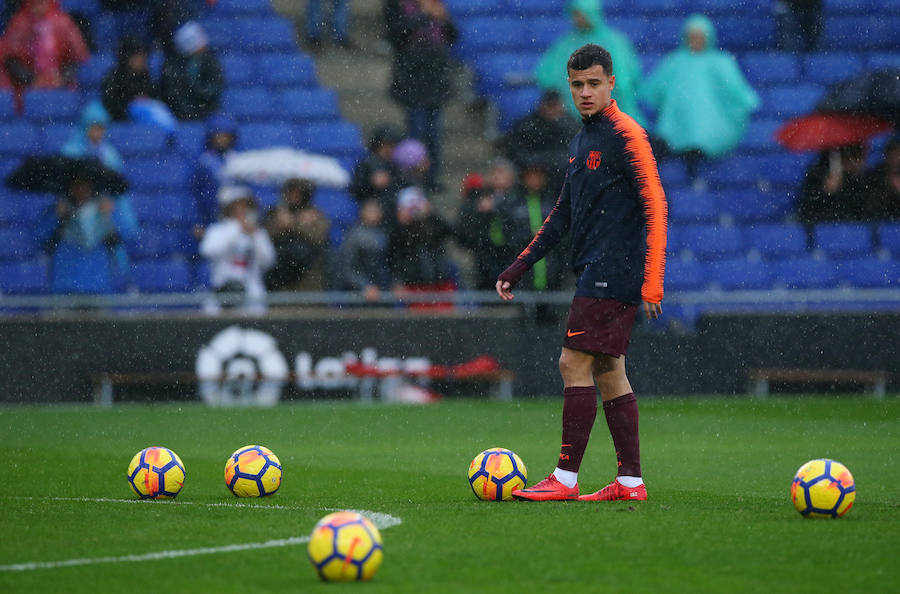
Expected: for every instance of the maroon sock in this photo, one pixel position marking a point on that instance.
(622, 418)
(579, 412)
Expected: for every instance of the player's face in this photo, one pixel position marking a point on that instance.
(591, 89)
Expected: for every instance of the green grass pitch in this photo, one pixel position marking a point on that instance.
(719, 518)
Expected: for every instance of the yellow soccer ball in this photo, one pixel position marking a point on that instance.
(823, 488)
(156, 473)
(345, 546)
(253, 471)
(495, 473)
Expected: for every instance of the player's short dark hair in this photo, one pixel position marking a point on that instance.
(590, 55)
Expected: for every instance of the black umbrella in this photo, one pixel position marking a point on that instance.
(54, 173)
(875, 93)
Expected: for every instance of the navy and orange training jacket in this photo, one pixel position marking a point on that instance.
(613, 206)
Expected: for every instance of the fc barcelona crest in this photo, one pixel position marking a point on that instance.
(593, 160)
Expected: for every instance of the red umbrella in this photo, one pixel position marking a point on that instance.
(823, 131)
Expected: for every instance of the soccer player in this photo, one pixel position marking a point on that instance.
(613, 206)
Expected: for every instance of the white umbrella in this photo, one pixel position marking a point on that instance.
(279, 164)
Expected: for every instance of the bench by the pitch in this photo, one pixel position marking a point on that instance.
(874, 381)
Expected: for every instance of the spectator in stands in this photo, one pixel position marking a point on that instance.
(479, 228)
(523, 213)
(191, 82)
(416, 246)
(83, 233)
(90, 139)
(315, 22)
(834, 187)
(421, 33)
(702, 99)
(209, 173)
(154, 20)
(299, 231)
(128, 79)
(411, 157)
(377, 176)
(591, 27)
(799, 24)
(41, 47)
(883, 185)
(8, 9)
(363, 258)
(239, 251)
(543, 135)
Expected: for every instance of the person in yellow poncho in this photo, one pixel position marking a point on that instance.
(591, 27)
(702, 100)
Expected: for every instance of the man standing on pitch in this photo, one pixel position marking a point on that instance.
(613, 205)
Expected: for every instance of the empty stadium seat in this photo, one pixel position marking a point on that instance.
(305, 105)
(660, 34)
(685, 275)
(18, 139)
(190, 138)
(889, 237)
(259, 136)
(7, 105)
(244, 7)
(871, 272)
(850, 6)
(788, 101)
(249, 104)
(746, 32)
(54, 136)
(830, 67)
(878, 60)
(17, 244)
(27, 277)
(24, 208)
(240, 69)
(287, 70)
(264, 34)
(688, 207)
(85, 7)
(760, 136)
(747, 205)
(532, 8)
(154, 242)
(740, 274)
(49, 105)
(540, 33)
(165, 276)
(506, 69)
(91, 73)
(844, 33)
(335, 138)
(843, 240)
(470, 8)
(806, 273)
(768, 68)
(777, 240)
(340, 209)
(161, 209)
(156, 175)
(138, 139)
(482, 34)
(516, 103)
(711, 242)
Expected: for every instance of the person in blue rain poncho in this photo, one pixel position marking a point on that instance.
(702, 100)
(591, 27)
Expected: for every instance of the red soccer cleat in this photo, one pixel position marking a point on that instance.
(616, 491)
(548, 489)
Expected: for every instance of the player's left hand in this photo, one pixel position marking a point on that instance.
(652, 310)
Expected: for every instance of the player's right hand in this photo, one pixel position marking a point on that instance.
(504, 289)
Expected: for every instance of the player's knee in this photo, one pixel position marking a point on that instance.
(571, 364)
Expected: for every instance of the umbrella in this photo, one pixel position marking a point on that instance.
(54, 173)
(875, 93)
(823, 131)
(277, 165)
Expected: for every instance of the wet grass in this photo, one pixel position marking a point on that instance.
(718, 518)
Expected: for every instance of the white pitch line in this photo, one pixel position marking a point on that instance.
(381, 520)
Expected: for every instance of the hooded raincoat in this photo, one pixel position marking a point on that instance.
(702, 99)
(551, 69)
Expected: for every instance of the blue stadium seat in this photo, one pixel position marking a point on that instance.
(240, 69)
(843, 240)
(92, 72)
(24, 208)
(724, 7)
(17, 139)
(806, 273)
(889, 237)
(27, 277)
(685, 275)
(244, 7)
(760, 136)
(651, 7)
(49, 105)
(515, 104)
(660, 34)
(871, 272)
(340, 209)
(336, 138)
(777, 240)
(17, 244)
(711, 242)
(162, 276)
(789, 101)
(507, 69)
(306, 105)
(830, 67)
(157, 175)
(154, 242)
(673, 173)
(746, 33)
(850, 6)
(287, 70)
(138, 139)
(878, 60)
(190, 138)
(751, 205)
(259, 136)
(541, 33)
(688, 207)
(478, 35)
(859, 33)
(249, 104)
(223, 34)
(265, 34)
(531, 8)
(768, 68)
(740, 274)
(7, 105)
(54, 136)
(163, 209)
(470, 8)
(86, 7)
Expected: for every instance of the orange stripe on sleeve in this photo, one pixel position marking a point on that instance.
(646, 176)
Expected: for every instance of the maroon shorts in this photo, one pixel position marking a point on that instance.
(599, 325)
